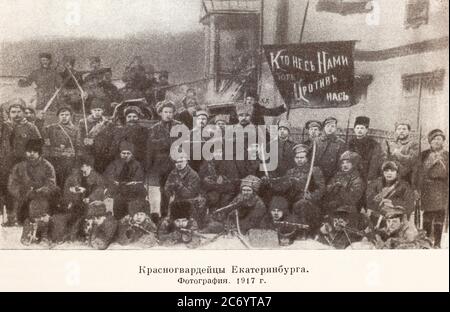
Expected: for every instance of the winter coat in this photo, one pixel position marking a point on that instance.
(251, 212)
(135, 174)
(286, 157)
(400, 193)
(345, 188)
(406, 154)
(184, 184)
(61, 140)
(95, 190)
(22, 132)
(371, 154)
(329, 150)
(103, 234)
(433, 181)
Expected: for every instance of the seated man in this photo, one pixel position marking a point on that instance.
(343, 227)
(83, 187)
(100, 228)
(293, 186)
(219, 179)
(36, 226)
(249, 207)
(32, 179)
(179, 226)
(280, 220)
(346, 187)
(125, 180)
(137, 227)
(389, 190)
(399, 233)
(183, 184)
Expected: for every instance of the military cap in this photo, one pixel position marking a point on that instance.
(313, 123)
(96, 209)
(363, 121)
(202, 112)
(300, 148)
(222, 117)
(161, 105)
(45, 55)
(38, 208)
(242, 108)
(393, 212)
(435, 133)
(283, 123)
(126, 146)
(389, 165)
(252, 182)
(132, 109)
(330, 120)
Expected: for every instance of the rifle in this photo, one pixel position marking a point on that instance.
(298, 225)
(191, 232)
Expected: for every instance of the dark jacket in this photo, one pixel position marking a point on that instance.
(371, 154)
(345, 188)
(329, 150)
(401, 194)
(103, 235)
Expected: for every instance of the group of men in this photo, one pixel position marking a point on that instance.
(113, 179)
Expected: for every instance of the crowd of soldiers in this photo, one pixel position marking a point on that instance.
(109, 178)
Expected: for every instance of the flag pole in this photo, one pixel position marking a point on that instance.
(304, 22)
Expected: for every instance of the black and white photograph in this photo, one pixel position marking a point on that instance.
(224, 124)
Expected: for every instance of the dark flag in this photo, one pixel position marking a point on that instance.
(313, 75)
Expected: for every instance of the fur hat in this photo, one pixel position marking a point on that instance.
(34, 145)
(161, 105)
(17, 102)
(363, 121)
(330, 120)
(45, 55)
(283, 123)
(280, 203)
(64, 109)
(252, 182)
(38, 208)
(404, 121)
(138, 205)
(389, 164)
(313, 123)
(126, 146)
(86, 160)
(96, 209)
(434, 133)
(98, 102)
(353, 157)
(181, 209)
(242, 108)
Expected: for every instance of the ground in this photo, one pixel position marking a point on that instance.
(10, 239)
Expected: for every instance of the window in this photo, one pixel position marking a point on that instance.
(416, 13)
(345, 7)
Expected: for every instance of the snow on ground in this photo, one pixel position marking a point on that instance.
(10, 239)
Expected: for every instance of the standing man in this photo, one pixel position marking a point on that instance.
(329, 149)
(258, 111)
(158, 152)
(314, 128)
(198, 139)
(22, 130)
(60, 140)
(433, 183)
(285, 149)
(46, 79)
(369, 149)
(403, 150)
